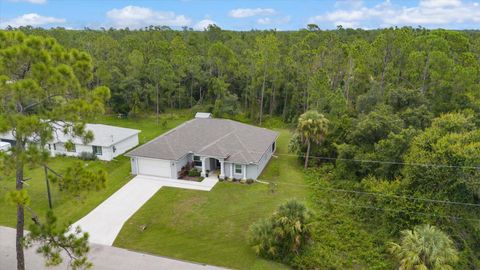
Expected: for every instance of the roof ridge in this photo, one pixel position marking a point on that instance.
(159, 136)
(217, 140)
(244, 147)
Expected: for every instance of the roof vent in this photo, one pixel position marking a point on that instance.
(203, 115)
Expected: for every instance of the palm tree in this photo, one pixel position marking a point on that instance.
(312, 127)
(424, 247)
(284, 234)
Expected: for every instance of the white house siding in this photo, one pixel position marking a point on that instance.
(79, 148)
(263, 161)
(253, 170)
(180, 163)
(125, 145)
(228, 170)
(107, 151)
(134, 164)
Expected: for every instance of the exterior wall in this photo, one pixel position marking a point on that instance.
(125, 145)
(253, 170)
(108, 153)
(134, 165)
(228, 167)
(79, 148)
(180, 163)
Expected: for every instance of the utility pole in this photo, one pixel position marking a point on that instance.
(47, 182)
(48, 187)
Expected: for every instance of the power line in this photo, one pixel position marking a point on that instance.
(400, 210)
(381, 161)
(378, 194)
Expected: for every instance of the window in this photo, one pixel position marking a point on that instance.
(97, 150)
(273, 147)
(114, 149)
(238, 168)
(197, 161)
(54, 147)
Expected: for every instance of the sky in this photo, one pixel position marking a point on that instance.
(241, 15)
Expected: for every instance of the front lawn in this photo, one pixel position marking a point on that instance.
(71, 209)
(211, 227)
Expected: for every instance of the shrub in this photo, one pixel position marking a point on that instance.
(194, 173)
(250, 181)
(87, 156)
(284, 234)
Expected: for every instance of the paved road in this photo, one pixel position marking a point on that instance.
(105, 221)
(102, 257)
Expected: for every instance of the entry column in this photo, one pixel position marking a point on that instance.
(222, 169)
(204, 171)
(244, 172)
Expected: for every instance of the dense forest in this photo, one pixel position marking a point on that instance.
(403, 107)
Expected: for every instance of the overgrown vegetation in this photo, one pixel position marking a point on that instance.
(283, 235)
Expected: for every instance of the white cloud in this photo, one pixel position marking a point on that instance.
(269, 20)
(31, 1)
(32, 19)
(250, 12)
(203, 24)
(137, 17)
(427, 12)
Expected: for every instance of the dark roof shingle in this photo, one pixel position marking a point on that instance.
(222, 138)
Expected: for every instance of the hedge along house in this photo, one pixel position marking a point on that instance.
(219, 146)
(108, 141)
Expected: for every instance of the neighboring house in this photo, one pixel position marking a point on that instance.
(5, 146)
(108, 142)
(233, 149)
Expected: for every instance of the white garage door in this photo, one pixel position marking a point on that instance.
(155, 167)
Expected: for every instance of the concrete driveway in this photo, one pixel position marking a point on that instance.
(105, 222)
(102, 257)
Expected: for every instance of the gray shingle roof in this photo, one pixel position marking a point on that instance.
(222, 138)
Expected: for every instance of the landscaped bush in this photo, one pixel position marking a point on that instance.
(250, 181)
(194, 173)
(282, 236)
(87, 156)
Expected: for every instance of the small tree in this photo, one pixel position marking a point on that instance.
(284, 234)
(424, 247)
(45, 91)
(312, 128)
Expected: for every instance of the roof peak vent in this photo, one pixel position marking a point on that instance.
(203, 115)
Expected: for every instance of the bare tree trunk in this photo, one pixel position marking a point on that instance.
(191, 93)
(20, 209)
(157, 104)
(284, 113)
(307, 154)
(272, 100)
(425, 74)
(261, 98)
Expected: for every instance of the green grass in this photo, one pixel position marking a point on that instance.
(71, 209)
(211, 227)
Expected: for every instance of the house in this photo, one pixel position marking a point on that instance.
(229, 148)
(108, 141)
(5, 146)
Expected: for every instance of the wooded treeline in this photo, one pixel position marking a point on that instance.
(393, 97)
(280, 73)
